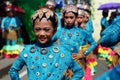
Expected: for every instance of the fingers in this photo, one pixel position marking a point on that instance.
(118, 53)
(74, 56)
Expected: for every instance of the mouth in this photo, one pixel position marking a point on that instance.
(68, 23)
(42, 38)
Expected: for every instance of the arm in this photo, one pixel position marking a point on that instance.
(104, 23)
(110, 36)
(16, 67)
(13, 23)
(92, 43)
(2, 24)
(77, 71)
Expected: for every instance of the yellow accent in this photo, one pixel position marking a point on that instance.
(92, 64)
(110, 58)
(103, 51)
(15, 52)
(84, 48)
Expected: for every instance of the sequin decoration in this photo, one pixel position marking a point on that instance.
(62, 55)
(63, 33)
(55, 49)
(37, 73)
(44, 64)
(25, 55)
(32, 67)
(69, 34)
(65, 38)
(36, 58)
(32, 49)
(56, 65)
(77, 34)
(43, 51)
(72, 49)
(49, 74)
(50, 56)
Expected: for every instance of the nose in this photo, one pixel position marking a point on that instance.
(41, 33)
(69, 19)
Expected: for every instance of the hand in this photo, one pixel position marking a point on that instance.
(82, 25)
(6, 30)
(78, 55)
(117, 50)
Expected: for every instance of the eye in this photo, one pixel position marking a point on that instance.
(37, 29)
(71, 17)
(66, 17)
(80, 17)
(47, 29)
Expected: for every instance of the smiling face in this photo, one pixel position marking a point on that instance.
(43, 30)
(69, 18)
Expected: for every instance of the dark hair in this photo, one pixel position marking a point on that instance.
(105, 13)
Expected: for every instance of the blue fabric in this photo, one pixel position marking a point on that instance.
(34, 60)
(18, 21)
(59, 3)
(104, 23)
(111, 35)
(89, 40)
(59, 20)
(113, 74)
(89, 26)
(7, 22)
(78, 38)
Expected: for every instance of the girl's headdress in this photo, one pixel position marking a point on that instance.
(70, 8)
(44, 13)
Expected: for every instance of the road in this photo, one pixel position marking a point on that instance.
(23, 75)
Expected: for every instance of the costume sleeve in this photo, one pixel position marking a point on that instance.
(56, 35)
(104, 23)
(2, 24)
(110, 36)
(89, 26)
(13, 22)
(77, 71)
(92, 43)
(16, 67)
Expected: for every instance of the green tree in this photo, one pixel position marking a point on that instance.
(29, 6)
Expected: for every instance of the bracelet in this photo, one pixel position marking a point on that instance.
(85, 53)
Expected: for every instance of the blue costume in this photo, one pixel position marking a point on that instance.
(7, 22)
(47, 63)
(89, 40)
(74, 37)
(104, 23)
(113, 74)
(89, 26)
(9, 26)
(59, 20)
(110, 36)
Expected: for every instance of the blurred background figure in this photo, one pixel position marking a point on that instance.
(85, 9)
(104, 22)
(112, 17)
(10, 31)
(50, 4)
